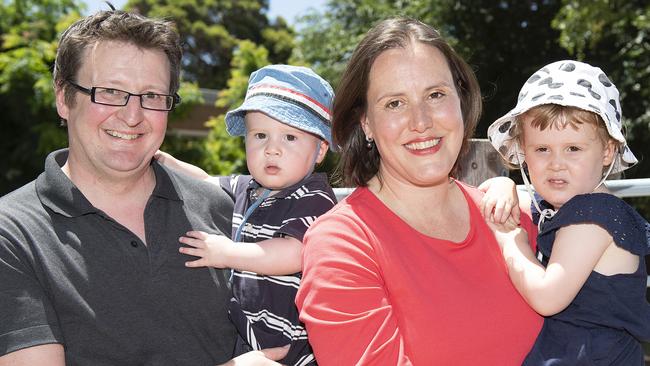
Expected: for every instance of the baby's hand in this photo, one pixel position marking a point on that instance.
(500, 202)
(161, 156)
(209, 247)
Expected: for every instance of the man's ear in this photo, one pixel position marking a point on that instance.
(322, 150)
(61, 107)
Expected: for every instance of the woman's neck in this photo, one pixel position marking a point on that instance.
(438, 210)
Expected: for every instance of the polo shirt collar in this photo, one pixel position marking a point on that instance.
(166, 187)
(56, 191)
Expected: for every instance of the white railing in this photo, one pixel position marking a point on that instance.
(621, 188)
(629, 187)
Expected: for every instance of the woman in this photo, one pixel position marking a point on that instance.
(405, 270)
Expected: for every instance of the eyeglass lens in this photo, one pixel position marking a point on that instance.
(118, 97)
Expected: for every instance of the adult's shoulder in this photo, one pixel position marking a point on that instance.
(17, 197)
(22, 216)
(471, 192)
(17, 204)
(199, 198)
(353, 213)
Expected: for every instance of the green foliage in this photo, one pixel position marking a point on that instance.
(614, 35)
(226, 154)
(188, 149)
(211, 30)
(504, 41)
(30, 130)
(191, 96)
(220, 52)
(328, 39)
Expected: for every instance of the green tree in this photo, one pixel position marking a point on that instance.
(504, 40)
(29, 32)
(327, 39)
(225, 154)
(212, 29)
(30, 130)
(614, 35)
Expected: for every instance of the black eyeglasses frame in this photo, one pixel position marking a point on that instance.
(176, 99)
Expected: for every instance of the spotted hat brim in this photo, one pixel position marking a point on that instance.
(566, 83)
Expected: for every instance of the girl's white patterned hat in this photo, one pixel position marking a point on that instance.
(566, 83)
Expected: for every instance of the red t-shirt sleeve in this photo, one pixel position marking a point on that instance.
(342, 298)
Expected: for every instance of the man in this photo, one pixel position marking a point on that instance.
(90, 272)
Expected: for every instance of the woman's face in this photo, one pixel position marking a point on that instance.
(414, 115)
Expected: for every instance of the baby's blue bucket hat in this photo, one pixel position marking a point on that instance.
(293, 95)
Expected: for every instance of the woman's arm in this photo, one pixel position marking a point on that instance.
(576, 251)
(343, 301)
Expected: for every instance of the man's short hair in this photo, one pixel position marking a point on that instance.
(119, 26)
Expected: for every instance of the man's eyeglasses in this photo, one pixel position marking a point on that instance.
(120, 98)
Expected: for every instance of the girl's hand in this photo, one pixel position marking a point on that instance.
(500, 202)
(169, 161)
(212, 249)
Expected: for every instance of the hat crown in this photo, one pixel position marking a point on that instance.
(576, 84)
(567, 83)
(297, 78)
(293, 95)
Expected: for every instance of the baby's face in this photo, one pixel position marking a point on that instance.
(277, 154)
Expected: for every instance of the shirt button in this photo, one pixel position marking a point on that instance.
(134, 244)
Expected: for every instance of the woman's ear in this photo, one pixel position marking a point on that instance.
(363, 121)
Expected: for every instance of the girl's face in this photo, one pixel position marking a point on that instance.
(414, 115)
(565, 162)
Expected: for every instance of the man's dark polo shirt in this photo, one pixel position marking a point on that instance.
(70, 274)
